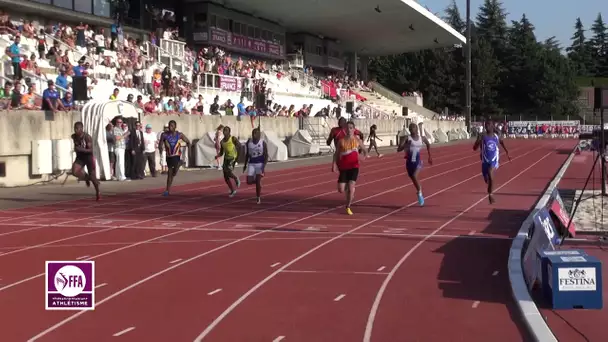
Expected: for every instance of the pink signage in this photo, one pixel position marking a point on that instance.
(228, 83)
(245, 43)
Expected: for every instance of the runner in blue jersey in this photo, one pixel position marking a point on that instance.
(490, 153)
(172, 141)
(413, 163)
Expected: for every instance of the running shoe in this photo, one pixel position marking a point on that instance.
(166, 193)
(348, 211)
(88, 183)
(420, 199)
(258, 200)
(380, 155)
(238, 183)
(98, 197)
(232, 194)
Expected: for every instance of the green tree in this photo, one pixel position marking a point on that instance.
(552, 43)
(599, 47)
(579, 52)
(453, 17)
(485, 72)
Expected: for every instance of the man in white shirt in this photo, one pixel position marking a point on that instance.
(150, 145)
(189, 103)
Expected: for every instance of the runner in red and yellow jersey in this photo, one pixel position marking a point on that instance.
(346, 160)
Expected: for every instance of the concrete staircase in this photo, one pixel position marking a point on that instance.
(380, 102)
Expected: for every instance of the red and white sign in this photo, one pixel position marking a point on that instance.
(563, 217)
(228, 83)
(246, 43)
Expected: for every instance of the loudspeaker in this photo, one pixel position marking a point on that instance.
(79, 84)
(404, 111)
(349, 107)
(260, 101)
(600, 98)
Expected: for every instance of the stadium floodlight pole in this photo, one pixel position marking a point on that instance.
(468, 68)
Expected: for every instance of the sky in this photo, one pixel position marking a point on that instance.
(550, 17)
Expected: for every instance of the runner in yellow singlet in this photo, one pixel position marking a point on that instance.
(229, 148)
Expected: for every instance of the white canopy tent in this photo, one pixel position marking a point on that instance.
(95, 116)
(301, 144)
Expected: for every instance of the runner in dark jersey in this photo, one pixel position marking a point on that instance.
(83, 146)
(172, 141)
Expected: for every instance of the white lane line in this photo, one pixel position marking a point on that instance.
(339, 298)
(279, 339)
(82, 257)
(275, 264)
(174, 261)
(381, 268)
(214, 292)
(494, 274)
(293, 261)
(101, 285)
(372, 314)
(475, 304)
(120, 333)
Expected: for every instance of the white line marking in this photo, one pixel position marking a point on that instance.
(120, 333)
(494, 274)
(287, 265)
(334, 272)
(475, 304)
(118, 293)
(101, 285)
(339, 298)
(278, 339)
(372, 313)
(174, 261)
(275, 264)
(214, 292)
(472, 232)
(82, 257)
(381, 268)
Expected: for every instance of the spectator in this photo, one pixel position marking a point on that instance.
(214, 109)
(114, 95)
(150, 146)
(67, 101)
(120, 145)
(50, 98)
(28, 100)
(111, 141)
(14, 51)
(228, 108)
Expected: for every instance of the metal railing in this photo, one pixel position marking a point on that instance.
(171, 53)
(402, 101)
(295, 60)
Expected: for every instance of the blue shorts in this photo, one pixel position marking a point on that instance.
(485, 168)
(413, 167)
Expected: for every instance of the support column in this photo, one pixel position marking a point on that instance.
(352, 70)
(364, 68)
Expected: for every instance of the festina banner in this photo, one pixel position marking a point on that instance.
(546, 129)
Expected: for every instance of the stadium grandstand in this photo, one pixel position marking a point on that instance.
(200, 58)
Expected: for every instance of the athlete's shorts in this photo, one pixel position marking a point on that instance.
(349, 175)
(254, 169)
(89, 163)
(173, 161)
(228, 164)
(412, 167)
(485, 168)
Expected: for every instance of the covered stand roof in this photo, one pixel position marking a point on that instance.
(374, 28)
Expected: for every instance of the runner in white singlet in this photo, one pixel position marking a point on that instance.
(413, 162)
(255, 161)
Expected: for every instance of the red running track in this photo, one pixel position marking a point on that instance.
(581, 325)
(295, 268)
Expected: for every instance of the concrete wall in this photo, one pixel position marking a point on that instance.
(19, 128)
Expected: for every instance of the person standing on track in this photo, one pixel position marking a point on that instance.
(172, 141)
(488, 141)
(413, 163)
(346, 160)
(255, 162)
(83, 146)
(372, 140)
(229, 148)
